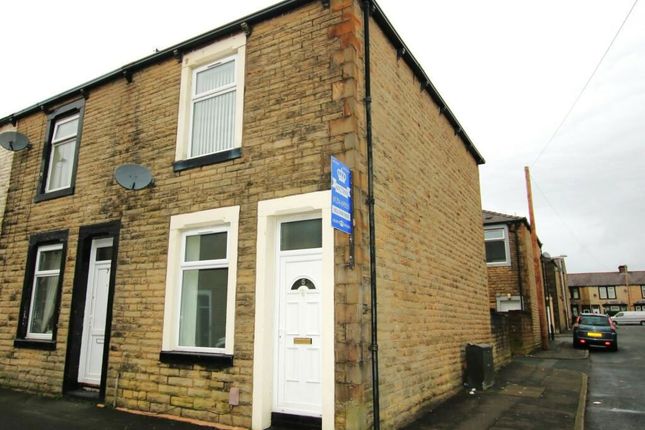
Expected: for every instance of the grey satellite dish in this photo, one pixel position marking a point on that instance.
(133, 176)
(14, 141)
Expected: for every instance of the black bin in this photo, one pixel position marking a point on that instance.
(480, 371)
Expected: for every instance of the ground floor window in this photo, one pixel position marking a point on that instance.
(41, 290)
(200, 282)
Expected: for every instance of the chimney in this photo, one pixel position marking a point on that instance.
(622, 268)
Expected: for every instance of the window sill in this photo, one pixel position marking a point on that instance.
(177, 357)
(53, 195)
(46, 345)
(499, 264)
(205, 160)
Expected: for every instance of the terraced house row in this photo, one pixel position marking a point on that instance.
(220, 291)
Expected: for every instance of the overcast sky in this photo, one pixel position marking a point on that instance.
(510, 71)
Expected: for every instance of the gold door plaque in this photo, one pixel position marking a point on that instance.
(302, 341)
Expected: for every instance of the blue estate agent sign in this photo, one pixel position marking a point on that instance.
(341, 196)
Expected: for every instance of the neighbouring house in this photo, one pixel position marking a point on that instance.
(512, 281)
(220, 292)
(556, 292)
(607, 292)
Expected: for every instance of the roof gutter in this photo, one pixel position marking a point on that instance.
(245, 24)
(175, 51)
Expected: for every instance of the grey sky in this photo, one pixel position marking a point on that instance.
(509, 70)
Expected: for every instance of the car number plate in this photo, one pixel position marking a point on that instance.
(594, 334)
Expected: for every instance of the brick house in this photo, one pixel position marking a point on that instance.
(221, 292)
(556, 293)
(607, 292)
(512, 283)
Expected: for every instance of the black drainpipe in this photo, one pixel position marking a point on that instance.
(516, 230)
(367, 6)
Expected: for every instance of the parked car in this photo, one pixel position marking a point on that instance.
(629, 317)
(595, 330)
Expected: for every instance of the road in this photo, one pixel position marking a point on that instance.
(616, 396)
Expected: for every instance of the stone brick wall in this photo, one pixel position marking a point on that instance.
(294, 101)
(303, 103)
(432, 290)
(501, 329)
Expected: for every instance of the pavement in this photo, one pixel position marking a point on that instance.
(21, 411)
(545, 390)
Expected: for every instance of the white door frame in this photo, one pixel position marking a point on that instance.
(269, 212)
(85, 338)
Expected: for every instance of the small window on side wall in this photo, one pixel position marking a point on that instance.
(497, 246)
(60, 153)
(41, 291)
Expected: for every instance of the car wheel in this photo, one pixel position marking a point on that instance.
(642, 322)
(615, 347)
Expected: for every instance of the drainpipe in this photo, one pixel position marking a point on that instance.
(367, 6)
(519, 264)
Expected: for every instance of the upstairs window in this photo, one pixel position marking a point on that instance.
(213, 108)
(60, 153)
(607, 292)
(497, 246)
(575, 293)
(643, 291)
(211, 104)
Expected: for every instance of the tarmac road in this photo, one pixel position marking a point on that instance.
(616, 396)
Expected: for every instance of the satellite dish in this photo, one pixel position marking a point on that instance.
(14, 141)
(133, 176)
(546, 255)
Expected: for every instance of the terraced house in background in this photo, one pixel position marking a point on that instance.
(220, 292)
(513, 298)
(607, 292)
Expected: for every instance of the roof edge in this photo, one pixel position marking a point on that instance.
(236, 26)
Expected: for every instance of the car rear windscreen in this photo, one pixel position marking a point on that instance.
(594, 320)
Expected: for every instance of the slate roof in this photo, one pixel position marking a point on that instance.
(605, 278)
(491, 217)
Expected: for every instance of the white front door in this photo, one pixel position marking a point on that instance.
(297, 388)
(98, 282)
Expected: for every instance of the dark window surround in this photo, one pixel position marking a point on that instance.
(72, 108)
(180, 357)
(86, 235)
(205, 160)
(35, 241)
(575, 290)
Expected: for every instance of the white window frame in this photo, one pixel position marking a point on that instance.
(575, 293)
(41, 274)
(209, 221)
(57, 142)
(643, 291)
(230, 49)
(507, 261)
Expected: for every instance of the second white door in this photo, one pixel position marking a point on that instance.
(93, 339)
